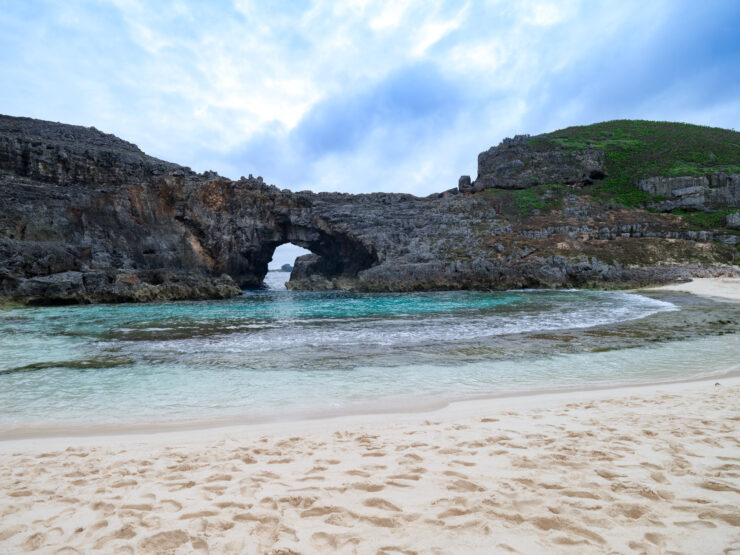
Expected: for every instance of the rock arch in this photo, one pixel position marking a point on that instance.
(235, 227)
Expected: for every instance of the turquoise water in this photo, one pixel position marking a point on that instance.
(279, 354)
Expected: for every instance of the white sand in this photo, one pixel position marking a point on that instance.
(727, 288)
(650, 469)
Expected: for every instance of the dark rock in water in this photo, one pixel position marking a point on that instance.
(313, 272)
(286, 268)
(88, 217)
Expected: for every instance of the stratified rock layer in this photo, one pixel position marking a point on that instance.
(714, 191)
(88, 217)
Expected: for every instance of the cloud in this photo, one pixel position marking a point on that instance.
(409, 95)
(362, 95)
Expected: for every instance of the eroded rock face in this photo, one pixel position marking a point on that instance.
(88, 218)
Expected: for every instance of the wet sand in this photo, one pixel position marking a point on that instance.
(650, 469)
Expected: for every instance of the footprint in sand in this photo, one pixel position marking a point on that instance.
(453, 512)
(696, 524)
(164, 542)
(464, 485)
(219, 478)
(298, 501)
(394, 550)
(268, 503)
(321, 511)
(199, 514)
(322, 541)
(379, 503)
(364, 486)
(629, 510)
(235, 504)
(407, 476)
(124, 483)
(199, 545)
(21, 493)
(463, 463)
(34, 541)
(252, 517)
(54, 535)
(138, 507)
(12, 531)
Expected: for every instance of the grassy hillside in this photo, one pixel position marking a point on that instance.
(636, 149)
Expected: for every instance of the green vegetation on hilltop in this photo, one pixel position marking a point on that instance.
(637, 149)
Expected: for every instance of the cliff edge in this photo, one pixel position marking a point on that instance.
(88, 217)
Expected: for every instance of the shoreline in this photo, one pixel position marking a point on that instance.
(167, 430)
(650, 469)
(716, 288)
(647, 467)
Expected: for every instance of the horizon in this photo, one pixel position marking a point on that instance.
(363, 97)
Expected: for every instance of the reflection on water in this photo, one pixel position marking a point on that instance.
(274, 352)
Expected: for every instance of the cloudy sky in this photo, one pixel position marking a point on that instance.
(362, 96)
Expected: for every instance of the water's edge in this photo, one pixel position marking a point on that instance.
(296, 357)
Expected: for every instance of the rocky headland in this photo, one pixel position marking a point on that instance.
(88, 217)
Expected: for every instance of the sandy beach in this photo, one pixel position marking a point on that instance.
(649, 469)
(726, 288)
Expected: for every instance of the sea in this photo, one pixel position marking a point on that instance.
(273, 354)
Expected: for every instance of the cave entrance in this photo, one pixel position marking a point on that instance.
(281, 265)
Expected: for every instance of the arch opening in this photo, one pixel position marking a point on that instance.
(281, 265)
(285, 255)
(332, 261)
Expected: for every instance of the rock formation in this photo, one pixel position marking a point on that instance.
(88, 217)
(517, 164)
(713, 191)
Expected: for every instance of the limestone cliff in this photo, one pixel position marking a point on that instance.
(88, 217)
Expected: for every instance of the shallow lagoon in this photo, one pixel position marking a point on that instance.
(274, 354)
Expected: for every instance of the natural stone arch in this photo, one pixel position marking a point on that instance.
(334, 254)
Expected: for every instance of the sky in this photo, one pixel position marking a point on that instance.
(362, 96)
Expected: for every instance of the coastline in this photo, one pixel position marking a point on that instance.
(650, 467)
(716, 288)
(168, 431)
